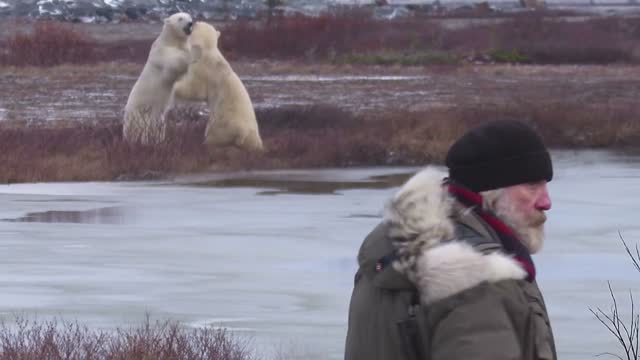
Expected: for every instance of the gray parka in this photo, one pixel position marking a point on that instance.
(434, 284)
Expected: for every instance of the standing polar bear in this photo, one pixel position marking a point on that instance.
(152, 94)
(232, 120)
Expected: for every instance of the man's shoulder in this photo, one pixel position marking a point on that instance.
(375, 245)
(471, 229)
(479, 241)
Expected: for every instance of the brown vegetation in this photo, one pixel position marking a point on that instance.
(527, 38)
(553, 41)
(53, 340)
(539, 38)
(49, 43)
(295, 137)
(325, 135)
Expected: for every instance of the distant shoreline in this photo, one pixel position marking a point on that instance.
(575, 82)
(294, 138)
(600, 113)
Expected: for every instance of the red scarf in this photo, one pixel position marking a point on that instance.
(510, 242)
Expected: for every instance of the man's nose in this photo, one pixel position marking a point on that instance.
(543, 201)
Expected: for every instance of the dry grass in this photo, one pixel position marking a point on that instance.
(538, 38)
(552, 41)
(49, 43)
(318, 136)
(54, 340)
(318, 38)
(86, 143)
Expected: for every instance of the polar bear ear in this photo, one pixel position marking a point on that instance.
(218, 34)
(166, 20)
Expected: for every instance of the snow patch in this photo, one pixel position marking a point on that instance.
(113, 3)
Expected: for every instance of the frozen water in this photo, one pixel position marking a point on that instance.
(272, 254)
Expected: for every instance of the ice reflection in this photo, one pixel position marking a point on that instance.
(283, 185)
(106, 215)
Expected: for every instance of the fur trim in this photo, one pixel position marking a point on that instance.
(450, 268)
(420, 224)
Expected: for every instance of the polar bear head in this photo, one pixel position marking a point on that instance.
(204, 36)
(180, 24)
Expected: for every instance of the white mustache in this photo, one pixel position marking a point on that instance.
(539, 219)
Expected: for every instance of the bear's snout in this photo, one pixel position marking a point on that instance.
(188, 29)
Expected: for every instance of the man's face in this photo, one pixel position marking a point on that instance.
(522, 207)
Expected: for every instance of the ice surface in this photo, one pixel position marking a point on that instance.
(280, 267)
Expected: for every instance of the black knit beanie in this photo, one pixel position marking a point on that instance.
(498, 154)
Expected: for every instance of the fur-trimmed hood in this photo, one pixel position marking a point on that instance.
(429, 232)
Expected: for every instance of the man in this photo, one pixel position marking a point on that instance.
(448, 274)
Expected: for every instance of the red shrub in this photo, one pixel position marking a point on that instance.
(322, 36)
(49, 43)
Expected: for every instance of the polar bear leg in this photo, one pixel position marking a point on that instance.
(144, 126)
(251, 141)
(223, 132)
(217, 133)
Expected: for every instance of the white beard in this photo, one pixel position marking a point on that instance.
(530, 231)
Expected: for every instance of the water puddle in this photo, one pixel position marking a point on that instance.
(305, 186)
(63, 200)
(106, 215)
(363, 216)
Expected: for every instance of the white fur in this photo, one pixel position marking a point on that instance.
(453, 267)
(232, 120)
(152, 94)
(420, 208)
(419, 219)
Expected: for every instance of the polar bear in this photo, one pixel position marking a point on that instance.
(232, 119)
(152, 94)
